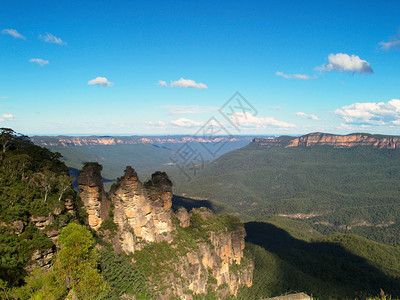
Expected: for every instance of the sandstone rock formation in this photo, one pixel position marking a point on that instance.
(207, 254)
(337, 141)
(183, 217)
(142, 211)
(93, 195)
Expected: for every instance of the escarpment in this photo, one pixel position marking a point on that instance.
(337, 141)
(182, 253)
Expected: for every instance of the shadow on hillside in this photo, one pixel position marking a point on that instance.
(189, 203)
(324, 261)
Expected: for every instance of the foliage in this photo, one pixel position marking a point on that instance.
(326, 267)
(123, 277)
(77, 260)
(33, 183)
(74, 272)
(337, 190)
(159, 260)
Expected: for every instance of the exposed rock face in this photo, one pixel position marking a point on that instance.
(143, 211)
(41, 259)
(93, 195)
(212, 264)
(337, 141)
(204, 269)
(70, 206)
(209, 256)
(41, 222)
(183, 217)
(74, 141)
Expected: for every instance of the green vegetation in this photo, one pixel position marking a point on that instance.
(338, 190)
(33, 183)
(327, 267)
(158, 261)
(123, 277)
(145, 158)
(356, 187)
(74, 272)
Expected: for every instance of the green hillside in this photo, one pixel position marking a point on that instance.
(145, 158)
(327, 267)
(345, 190)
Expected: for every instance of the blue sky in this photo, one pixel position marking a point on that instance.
(158, 67)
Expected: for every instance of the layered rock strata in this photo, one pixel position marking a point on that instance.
(337, 141)
(142, 211)
(93, 195)
(207, 257)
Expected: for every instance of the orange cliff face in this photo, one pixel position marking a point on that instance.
(337, 141)
(65, 141)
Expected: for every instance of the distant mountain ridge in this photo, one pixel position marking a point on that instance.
(337, 141)
(66, 141)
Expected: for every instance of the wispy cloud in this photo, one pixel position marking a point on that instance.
(183, 122)
(49, 38)
(157, 124)
(188, 83)
(6, 117)
(250, 121)
(371, 113)
(393, 43)
(187, 109)
(39, 61)
(102, 81)
(345, 63)
(4, 97)
(307, 116)
(14, 33)
(162, 83)
(295, 76)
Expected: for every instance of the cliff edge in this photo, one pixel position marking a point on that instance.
(337, 141)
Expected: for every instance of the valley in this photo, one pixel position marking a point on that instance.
(305, 208)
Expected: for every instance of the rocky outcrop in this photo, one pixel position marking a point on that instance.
(337, 141)
(93, 195)
(41, 259)
(218, 261)
(207, 254)
(182, 215)
(142, 211)
(42, 221)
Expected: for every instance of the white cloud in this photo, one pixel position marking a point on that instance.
(6, 117)
(102, 81)
(307, 116)
(387, 45)
(158, 124)
(295, 76)
(13, 33)
(374, 113)
(189, 83)
(344, 127)
(4, 97)
(39, 61)
(345, 63)
(258, 122)
(393, 43)
(162, 83)
(183, 122)
(187, 109)
(49, 38)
